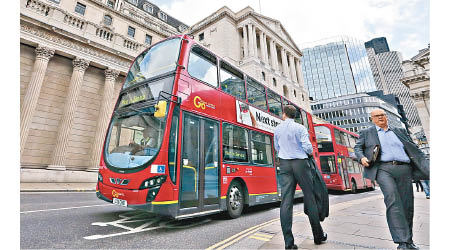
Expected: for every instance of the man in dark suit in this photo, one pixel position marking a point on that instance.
(393, 167)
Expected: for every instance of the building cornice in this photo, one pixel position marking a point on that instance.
(151, 19)
(68, 45)
(415, 78)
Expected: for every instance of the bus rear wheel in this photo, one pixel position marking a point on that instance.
(354, 188)
(235, 200)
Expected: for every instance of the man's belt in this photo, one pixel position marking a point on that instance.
(395, 162)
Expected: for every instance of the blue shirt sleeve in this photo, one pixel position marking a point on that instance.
(275, 142)
(304, 139)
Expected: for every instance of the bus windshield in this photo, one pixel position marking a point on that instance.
(134, 139)
(159, 59)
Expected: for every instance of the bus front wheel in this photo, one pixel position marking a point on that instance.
(235, 200)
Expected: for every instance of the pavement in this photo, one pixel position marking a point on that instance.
(356, 224)
(57, 187)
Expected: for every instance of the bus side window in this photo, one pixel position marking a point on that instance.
(235, 143)
(305, 119)
(203, 66)
(256, 94)
(232, 81)
(173, 142)
(298, 117)
(261, 148)
(274, 102)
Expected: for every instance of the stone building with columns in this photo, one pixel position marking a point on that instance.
(416, 76)
(74, 56)
(259, 45)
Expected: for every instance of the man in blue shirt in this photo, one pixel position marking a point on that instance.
(393, 172)
(293, 146)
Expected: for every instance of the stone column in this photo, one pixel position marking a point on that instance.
(292, 67)
(103, 120)
(62, 139)
(299, 73)
(261, 45)
(273, 54)
(251, 45)
(284, 62)
(254, 42)
(43, 55)
(244, 30)
(266, 54)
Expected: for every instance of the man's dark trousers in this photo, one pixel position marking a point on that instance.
(293, 172)
(395, 183)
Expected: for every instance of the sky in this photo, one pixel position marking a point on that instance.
(404, 23)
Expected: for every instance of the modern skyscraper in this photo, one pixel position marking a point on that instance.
(379, 44)
(336, 67)
(352, 112)
(387, 72)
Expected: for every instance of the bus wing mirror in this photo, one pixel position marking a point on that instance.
(160, 109)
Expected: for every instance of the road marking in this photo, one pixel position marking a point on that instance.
(149, 222)
(259, 238)
(64, 208)
(263, 235)
(235, 238)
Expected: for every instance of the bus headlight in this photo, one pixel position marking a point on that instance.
(152, 192)
(100, 178)
(153, 182)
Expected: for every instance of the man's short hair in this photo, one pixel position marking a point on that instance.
(290, 111)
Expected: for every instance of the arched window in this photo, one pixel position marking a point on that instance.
(263, 76)
(107, 19)
(274, 82)
(295, 93)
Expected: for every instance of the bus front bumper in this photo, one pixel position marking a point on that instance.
(136, 199)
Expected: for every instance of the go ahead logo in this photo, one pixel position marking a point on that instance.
(199, 103)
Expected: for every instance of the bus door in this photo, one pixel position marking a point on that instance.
(344, 170)
(199, 191)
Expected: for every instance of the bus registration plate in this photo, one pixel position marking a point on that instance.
(120, 202)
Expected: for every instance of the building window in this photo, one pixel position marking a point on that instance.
(107, 19)
(295, 93)
(148, 8)
(263, 76)
(55, 1)
(131, 31)
(135, 2)
(201, 36)
(111, 3)
(148, 39)
(80, 8)
(162, 16)
(274, 82)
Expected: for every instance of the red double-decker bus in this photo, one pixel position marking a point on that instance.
(340, 168)
(191, 135)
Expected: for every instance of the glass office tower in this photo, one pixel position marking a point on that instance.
(336, 67)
